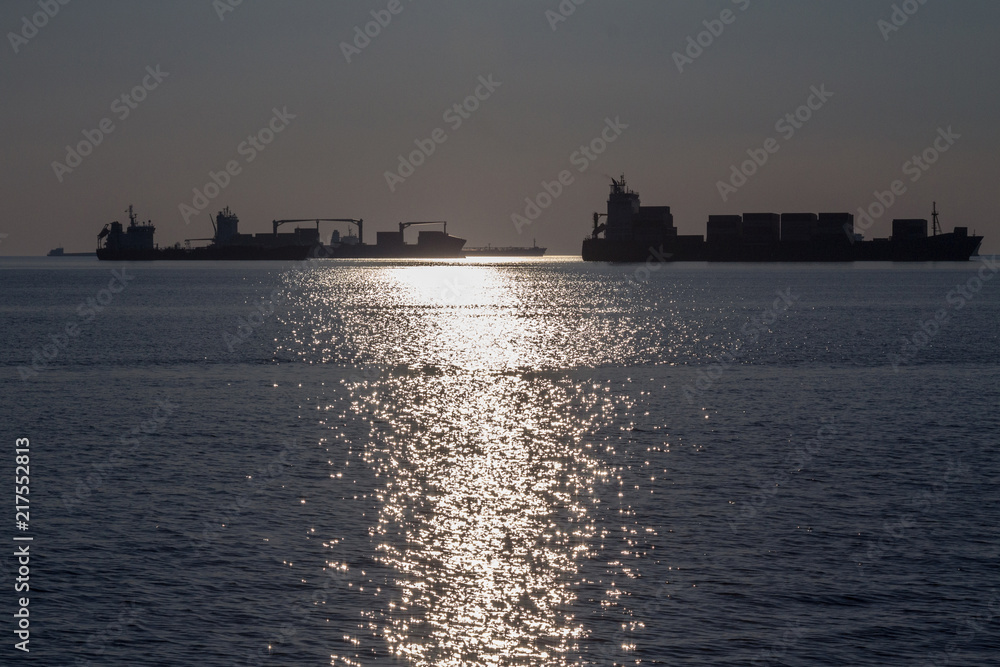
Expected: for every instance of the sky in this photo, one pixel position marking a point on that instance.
(149, 103)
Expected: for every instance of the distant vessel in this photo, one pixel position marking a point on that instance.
(135, 242)
(635, 233)
(58, 252)
(510, 251)
(430, 244)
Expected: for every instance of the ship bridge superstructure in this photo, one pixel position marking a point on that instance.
(629, 220)
(137, 236)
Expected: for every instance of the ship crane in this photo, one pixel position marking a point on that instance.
(358, 222)
(404, 225)
(597, 216)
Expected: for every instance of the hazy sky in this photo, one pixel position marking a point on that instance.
(554, 86)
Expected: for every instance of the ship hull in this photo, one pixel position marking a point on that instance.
(449, 247)
(602, 250)
(941, 248)
(504, 252)
(234, 252)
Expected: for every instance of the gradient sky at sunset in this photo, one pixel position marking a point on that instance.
(683, 114)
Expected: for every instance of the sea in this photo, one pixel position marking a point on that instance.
(491, 462)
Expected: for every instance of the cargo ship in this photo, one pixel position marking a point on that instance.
(61, 252)
(490, 251)
(135, 242)
(431, 244)
(636, 233)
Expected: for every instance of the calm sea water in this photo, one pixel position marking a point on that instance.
(538, 462)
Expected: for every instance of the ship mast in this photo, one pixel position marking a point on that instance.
(936, 226)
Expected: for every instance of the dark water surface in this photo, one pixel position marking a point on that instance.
(538, 462)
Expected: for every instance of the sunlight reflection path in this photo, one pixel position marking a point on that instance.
(484, 516)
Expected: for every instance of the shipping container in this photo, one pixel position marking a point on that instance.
(724, 228)
(761, 227)
(904, 229)
(797, 227)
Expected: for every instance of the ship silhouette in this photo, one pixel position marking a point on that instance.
(135, 242)
(635, 233)
(117, 242)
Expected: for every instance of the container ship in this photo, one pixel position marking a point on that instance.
(636, 233)
(490, 251)
(135, 242)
